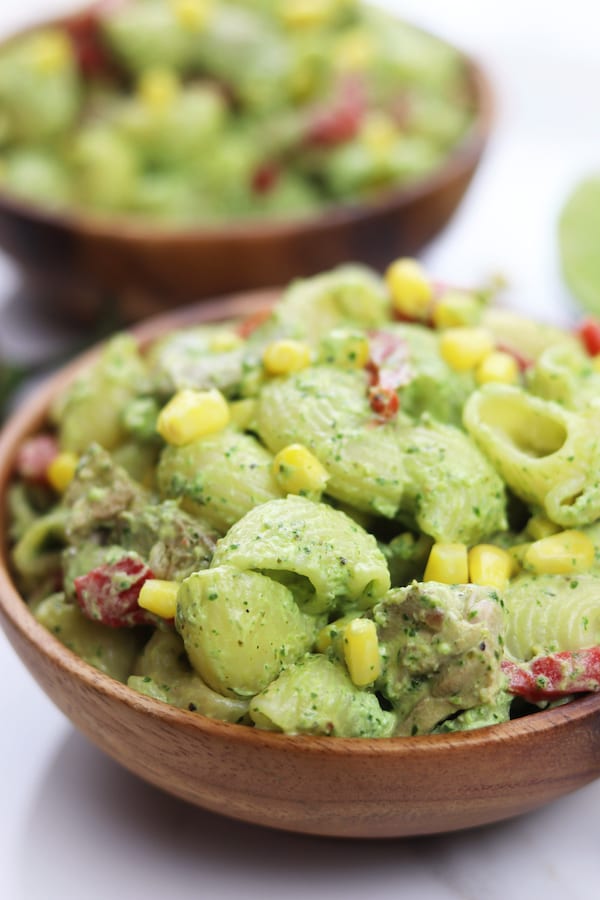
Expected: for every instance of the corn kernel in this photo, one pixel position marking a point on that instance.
(354, 51)
(192, 15)
(489, 565)
(379, 133)
(361, 651)
(51, 53)
(456, 308)
(61, 470)
(448, 564)
(565, 553)
(595, 361)
(158, 88)
(286, 356)
(241, 412)
(465, 348)
(190, 415)
(330, 635)
(410, 288)
(159, 597)
(297, 14)
(298, 471)
(499, 367)
(302, 81)
(224, 341)
(539, 527)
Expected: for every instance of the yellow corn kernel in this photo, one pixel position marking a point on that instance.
(448, 564)
(539, 527)
(499, 367)
(330, 635)
(158, 88)
(410, 288)
(61, 470)
(596, 363)
(192, 15)
(465, 348)
(297, 14)
(51, 52)
(354, 51)
(489, 565)
(456, 308)
(224, 341)
(361, 651)
(298, 471)
(302, 81)
(190, 415)
(564, 553)
(241, 412)
(286, 356)
(379, 133)
(159, 597)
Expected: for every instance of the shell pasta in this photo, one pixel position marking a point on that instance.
(373, 512)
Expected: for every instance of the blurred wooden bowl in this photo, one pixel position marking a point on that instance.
(83, 264)
(357, 787)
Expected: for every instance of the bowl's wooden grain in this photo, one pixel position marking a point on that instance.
(82, 263)
(327, 786)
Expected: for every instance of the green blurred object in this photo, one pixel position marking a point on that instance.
(11, 377)
(579, 242)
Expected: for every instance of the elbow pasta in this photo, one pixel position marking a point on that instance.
(366, 545)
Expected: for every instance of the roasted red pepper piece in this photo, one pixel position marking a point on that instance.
(384, 401)
(89, 47)
(589, 335)
(34, 457)
(109, 593)
(265, 178)
(389, 369)
(523, 362)
(252, 322)
(555, 675)
(340, 121)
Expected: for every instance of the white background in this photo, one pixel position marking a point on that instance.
(73, 826)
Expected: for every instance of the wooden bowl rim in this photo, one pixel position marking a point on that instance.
(29, 418)
(464, 156)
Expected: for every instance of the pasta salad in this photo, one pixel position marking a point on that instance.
(207, 110)
(372, 510)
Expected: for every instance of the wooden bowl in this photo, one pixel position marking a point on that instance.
(82, 263)
(326, 786)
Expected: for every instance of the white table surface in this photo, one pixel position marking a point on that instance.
(74, 826)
